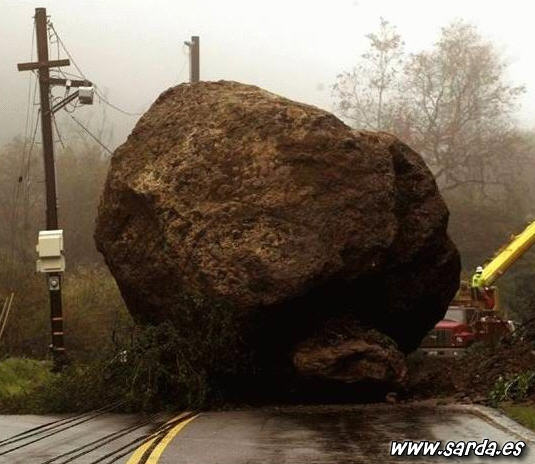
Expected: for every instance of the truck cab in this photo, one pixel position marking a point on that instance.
(461, 327)
(475, 315)
(452, 334)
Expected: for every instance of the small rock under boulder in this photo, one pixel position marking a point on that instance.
(344, 352)
(278, 209)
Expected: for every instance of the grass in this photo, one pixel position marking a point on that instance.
(523, 413)
(96, 319)
(197, 360)
(19, 376)
(28, 386)
(162, 367)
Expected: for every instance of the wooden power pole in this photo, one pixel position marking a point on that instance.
(43, 66)
(194, 59)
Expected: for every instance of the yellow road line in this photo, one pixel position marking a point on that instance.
(139, 453)
(155, 455)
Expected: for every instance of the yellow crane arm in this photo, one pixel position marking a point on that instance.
(506, 257)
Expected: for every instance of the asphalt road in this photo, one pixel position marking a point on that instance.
(67, 439)
(277, 435)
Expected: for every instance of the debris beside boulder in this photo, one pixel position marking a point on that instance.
(226, 193)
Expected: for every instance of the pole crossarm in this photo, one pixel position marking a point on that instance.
(43, 64)
(69, 82)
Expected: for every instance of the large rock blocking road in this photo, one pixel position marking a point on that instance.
(227, 193)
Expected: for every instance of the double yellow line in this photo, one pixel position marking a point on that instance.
(151, 451)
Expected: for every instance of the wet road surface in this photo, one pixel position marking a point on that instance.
(277, 435)
(67, 440)
(336, 435)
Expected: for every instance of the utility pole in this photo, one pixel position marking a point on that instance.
(54, 273)
(194, 58)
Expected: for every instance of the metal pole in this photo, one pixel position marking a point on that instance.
(194, 72)
(56, 312)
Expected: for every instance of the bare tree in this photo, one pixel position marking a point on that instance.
(363, 95)
(451, 103)
(456, 108)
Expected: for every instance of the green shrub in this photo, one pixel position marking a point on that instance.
(162, 367)
(19, 375)
(513, 388)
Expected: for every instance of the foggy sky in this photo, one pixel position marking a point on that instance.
(133, 50)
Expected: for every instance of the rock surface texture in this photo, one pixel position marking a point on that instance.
(277, 208)
(344, 352)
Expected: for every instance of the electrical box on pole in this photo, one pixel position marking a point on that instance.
(85, 95)
(50, 251)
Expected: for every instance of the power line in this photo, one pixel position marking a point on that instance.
(51, 26)
(55, 424)
(100, 442)
(82, 420)
(185, 62)
(93, 136)
(158, 436)
(66, 74)
(57, 131)
(17, 186)
(27, 174)
(101, 97)
(29, 91)
(5, 314)
(32, 145)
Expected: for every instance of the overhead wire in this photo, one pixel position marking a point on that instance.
(101, 97)
(93, 136)
(15, 205)
(82, 75)
(55, 424)
(27, 169)
(57, 131)
(136, 443)
(58, 430)
(5, 314)
(185, 62)
(100, 442)
(32, 145)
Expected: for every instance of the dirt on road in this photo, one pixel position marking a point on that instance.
(472, 376)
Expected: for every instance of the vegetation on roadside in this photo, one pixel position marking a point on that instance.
(514, 395)
(96, 319)
(19, 376)
(523, 413)
(513, 388)
(161, 367)
(483, 162)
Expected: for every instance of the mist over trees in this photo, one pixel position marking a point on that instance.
(95, 314)
(454, 104)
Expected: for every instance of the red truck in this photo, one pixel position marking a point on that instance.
(474, 314)
(461, 327)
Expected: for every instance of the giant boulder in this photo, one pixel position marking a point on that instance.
(229, 192)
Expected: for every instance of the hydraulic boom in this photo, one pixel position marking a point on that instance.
(505, 258)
